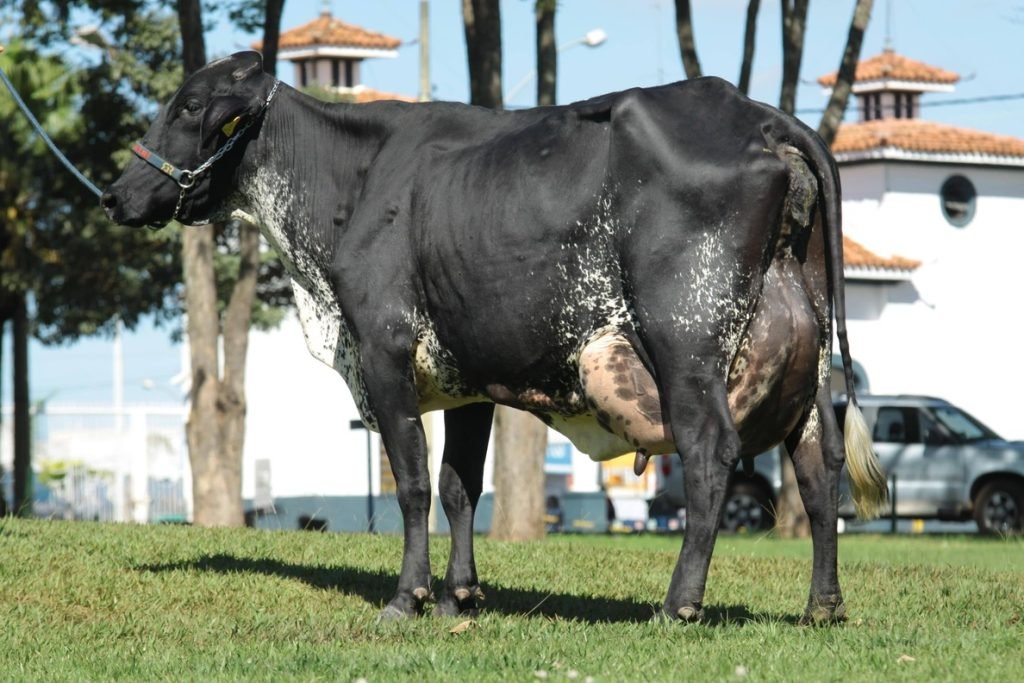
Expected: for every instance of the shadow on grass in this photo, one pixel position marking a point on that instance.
(376, 587)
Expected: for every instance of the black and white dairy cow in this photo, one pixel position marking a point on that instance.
(652, 270)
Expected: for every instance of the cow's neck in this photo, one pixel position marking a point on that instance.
(304, 174)
(297, 182)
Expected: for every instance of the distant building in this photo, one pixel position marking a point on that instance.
(328, 53)
(944, 206)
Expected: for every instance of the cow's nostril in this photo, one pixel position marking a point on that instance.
(108, 200)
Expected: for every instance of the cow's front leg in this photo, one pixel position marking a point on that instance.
(392, 395)
(466, 431)
(709, 445)
(407, 452)
(818, 460)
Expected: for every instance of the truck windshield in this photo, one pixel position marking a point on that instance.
(961, 424)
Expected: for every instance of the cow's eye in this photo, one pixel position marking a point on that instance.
(192, 107)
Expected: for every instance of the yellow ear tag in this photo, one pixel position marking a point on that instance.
(229, 127)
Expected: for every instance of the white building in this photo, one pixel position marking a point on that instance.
(946, 206)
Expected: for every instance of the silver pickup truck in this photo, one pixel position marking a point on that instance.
(943, 463)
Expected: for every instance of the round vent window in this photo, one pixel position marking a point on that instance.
(958, 200)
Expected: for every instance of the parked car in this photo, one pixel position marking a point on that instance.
(941, 462)
(749, 503)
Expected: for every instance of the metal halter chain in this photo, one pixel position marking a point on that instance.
(186, 179)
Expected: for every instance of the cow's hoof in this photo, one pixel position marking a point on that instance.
(460, 602)
(687, 614)
(393, 613)
(690, 613)
(823, 611)
(404, 605)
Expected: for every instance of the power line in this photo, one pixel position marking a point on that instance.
(941, 103)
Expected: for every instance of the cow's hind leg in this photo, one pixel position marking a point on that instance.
(818, 460)
(709, 446)
(466, 430)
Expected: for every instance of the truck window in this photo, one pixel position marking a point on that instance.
(965, 427)
(896, 425)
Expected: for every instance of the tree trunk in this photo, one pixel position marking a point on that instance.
(482, 20)
(3, 324)
(22, 495)
(216, 423)
(520, 442)
(749, 36)
(794, 20)
(844, 81)
(214, 497)
(272, 35)
(791, 518)
(687, 46)
(547, 52)
(193, 45)
(231, 405)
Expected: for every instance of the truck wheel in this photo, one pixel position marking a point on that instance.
(747, 508)
(999, 508)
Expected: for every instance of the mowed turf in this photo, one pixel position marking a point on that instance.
(83, 601)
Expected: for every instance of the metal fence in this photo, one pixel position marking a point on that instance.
(95, 463)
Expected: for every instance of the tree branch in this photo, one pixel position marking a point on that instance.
(833, 116)
(687, 46)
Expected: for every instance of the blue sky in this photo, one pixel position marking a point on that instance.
(982, 40)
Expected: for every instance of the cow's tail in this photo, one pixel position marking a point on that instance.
(868, 484)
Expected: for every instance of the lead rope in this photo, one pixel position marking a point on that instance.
(42, 133)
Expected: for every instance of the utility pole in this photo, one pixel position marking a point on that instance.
(424, 51)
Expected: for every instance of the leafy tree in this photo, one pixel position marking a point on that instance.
(86, 272)
(67, 272)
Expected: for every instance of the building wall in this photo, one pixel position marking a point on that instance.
(949, 330)
(298, 418)
(298, 415)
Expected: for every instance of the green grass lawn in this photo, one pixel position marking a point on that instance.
(85, 601)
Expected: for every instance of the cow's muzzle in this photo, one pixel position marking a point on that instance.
(115, 202)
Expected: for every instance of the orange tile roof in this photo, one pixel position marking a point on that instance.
(328, 30)
(362, 95)
(915, 135)
(857, 256)
(890, 66)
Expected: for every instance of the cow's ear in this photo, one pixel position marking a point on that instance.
(249, 63)
(222, 117)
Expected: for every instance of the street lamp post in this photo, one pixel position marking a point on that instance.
(358, 424)
(592, 38)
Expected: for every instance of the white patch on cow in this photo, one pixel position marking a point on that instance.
(710, 306)
(589, 280)
(271, 204)
(439, 385)
(589, 437)
(811, 426)
(825, 355)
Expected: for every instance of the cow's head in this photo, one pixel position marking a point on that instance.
(218, 106)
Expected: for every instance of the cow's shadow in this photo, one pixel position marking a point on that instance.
(376, 587)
